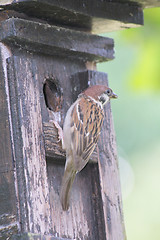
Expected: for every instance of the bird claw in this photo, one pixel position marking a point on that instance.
(60, 131)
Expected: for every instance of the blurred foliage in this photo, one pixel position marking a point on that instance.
(135, 76)
(145, 74)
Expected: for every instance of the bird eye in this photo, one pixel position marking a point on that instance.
(109, 92)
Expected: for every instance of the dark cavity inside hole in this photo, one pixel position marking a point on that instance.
(52, 94)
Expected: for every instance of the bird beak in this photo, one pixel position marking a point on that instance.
(114, 95)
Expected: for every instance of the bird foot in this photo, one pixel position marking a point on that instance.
(60, 131)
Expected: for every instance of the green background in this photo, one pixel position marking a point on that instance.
(134, 76)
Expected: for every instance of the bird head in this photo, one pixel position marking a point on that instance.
(100, 93)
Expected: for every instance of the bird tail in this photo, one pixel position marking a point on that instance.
(67, 181)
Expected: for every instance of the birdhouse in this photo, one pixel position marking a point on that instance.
(48, 56)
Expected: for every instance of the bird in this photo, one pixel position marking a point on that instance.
(81, 129)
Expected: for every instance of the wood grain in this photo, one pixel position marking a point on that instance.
(8, 209)
(109, 171)
(92, 16)
(36, 159)
(28, 147)
(59, 41)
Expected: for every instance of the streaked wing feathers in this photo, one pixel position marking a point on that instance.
(87, 118)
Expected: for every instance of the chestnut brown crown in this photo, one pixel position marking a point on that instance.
(100, 93)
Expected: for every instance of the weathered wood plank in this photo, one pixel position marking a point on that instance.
(53, 146)
(55, 40)
(82, 6)
(85, 219)
(32, 236)
(8, 207)
(34, 69)
(108, 170)
(28, 147)
(90, 15)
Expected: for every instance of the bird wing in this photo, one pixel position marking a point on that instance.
(86, 122)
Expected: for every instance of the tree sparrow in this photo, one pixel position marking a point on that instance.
(81, 130)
